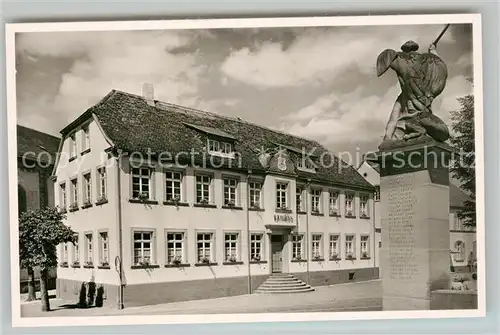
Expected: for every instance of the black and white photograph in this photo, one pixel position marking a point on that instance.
(238, 170)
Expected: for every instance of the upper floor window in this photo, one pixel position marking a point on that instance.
(306, 164)
(103, 248)
(282, 195)
(87, 189)
(102, 184)
(64, 260)
(377, 193)
(459, 253)
(255, 189)
(349, 204)
(173, 181)
(141, 183)
(85, 138)
(230, 191)
(203, 193)
(363, 206)
(299, 192)
(74, 194)
(316, 200)
(72, 146)
(89, 251)
(62, 196)
(333, 202)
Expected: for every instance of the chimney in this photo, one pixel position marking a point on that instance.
(148, 92)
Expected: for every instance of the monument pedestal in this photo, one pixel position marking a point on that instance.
(414, 191)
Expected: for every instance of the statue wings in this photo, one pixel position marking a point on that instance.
(384, 60)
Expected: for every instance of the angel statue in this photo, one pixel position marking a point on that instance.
(422, 77)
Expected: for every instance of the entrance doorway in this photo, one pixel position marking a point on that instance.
(277, 253)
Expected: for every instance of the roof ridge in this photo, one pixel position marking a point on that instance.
(232, 118)
(39, 131)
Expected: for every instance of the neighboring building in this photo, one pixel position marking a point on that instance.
(242, 207)
(36, 154)
(462, 238)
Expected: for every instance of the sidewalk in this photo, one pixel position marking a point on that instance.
(342, 297)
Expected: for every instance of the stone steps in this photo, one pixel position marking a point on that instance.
(283, 283)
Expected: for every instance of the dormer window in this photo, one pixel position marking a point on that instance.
(306, 164)
(220, 148)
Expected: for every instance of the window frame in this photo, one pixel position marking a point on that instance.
(85, 138)
(366, 249)
(280, 194)
(209, 185)
(88, 251)
(63, 194)
(76, 250)
(318, 244)
(150, 177)
(334, 211)
(100, 248)
(316, 198)
(352, 242)
(172, 180)
(299, 198)
(75, 201)
(352, 212)
(257, 193)
(73, 148)
(237, 247)
(87, 188)
(153, 248)
(212, 260)
(184, 247)
(295, 244)
(102, 183)
(236, 188)
(262, 255)
(337, 241)
(365, 215)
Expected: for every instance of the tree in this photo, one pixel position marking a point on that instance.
(463, 167)
(40, 232)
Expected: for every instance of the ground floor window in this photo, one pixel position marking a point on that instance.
(316, 246)
(143, 247)
(256, 241)
(64, 258)
(459, 251)
(204, 247)
(298, 247)
(349, 246)
(231, 247)
(175, 248)
(334, 246)
(103, 248)
(364, 246)
(89, 250)
(76, 250)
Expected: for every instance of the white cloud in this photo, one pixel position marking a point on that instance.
(320, 55)
(114, 60)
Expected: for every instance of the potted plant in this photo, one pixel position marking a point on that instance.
(104, 262)
(364, 254)
(87, 203)
(364, 215)
(458, 283)
(317, 257)
(73, 206)
(205, 260)
(334, 256)
(256, 258)
(283, 207)
(298, 257)
(65, 264)
(315, 210)
(144, 262)
(177, 261)
(62, 210)
(349, 256)
(333, 212)
(254, 205)
(76, 263)
(232, 259)
(143, 197)
(204, 201)
(230, 204)
(349, 213)
(88, 263)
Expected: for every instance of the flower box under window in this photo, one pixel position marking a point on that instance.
(73, 207)
(334, 257)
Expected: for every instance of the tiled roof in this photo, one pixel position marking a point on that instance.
(134, 126)
(34, 144)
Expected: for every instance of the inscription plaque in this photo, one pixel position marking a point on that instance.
(400, 222)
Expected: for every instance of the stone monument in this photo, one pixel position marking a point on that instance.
(413, 160)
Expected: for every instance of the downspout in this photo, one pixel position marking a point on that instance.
(307, 231)
(119, 259)
(374, 237)
(249, 247)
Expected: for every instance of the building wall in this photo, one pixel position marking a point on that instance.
(461, 237)
(93, 219)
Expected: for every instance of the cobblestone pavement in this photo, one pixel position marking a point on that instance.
(361, 296)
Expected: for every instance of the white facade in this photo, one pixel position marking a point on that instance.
(162, 241)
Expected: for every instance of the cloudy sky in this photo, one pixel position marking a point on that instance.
(317, 83)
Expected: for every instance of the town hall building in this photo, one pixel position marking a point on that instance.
(171, 203)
